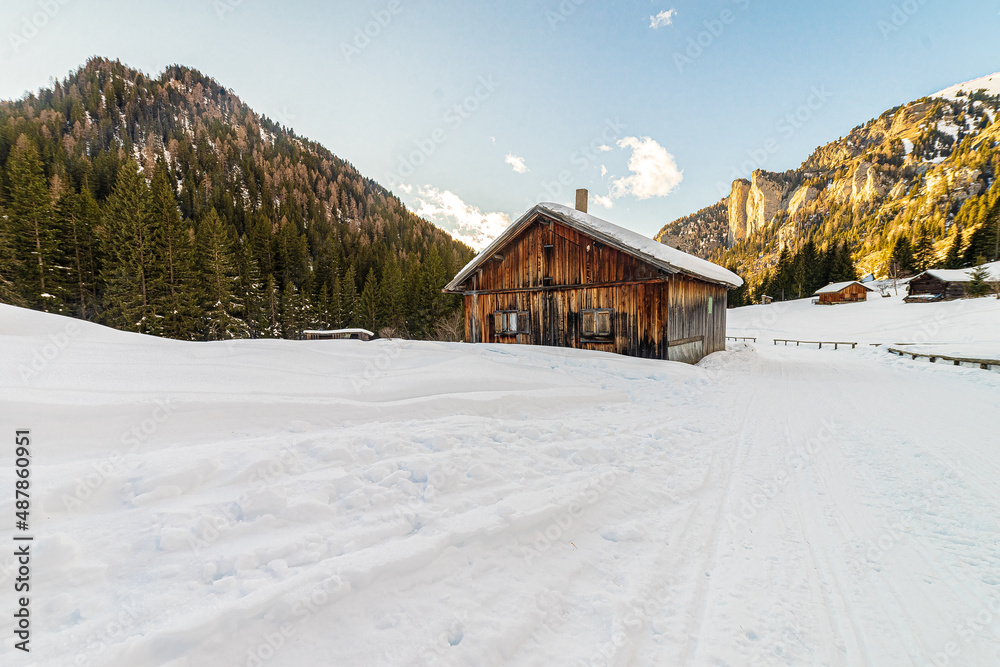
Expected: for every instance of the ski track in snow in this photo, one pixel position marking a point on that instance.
(391, 503)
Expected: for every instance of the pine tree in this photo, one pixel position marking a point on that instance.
(253, 293)
(335, 309)
(430, 302)
(292, 253)
(842, 268)
(902, 255)
(30, 212)
(179, 300)
(321, 309)
(978, 284)
(808, 269)
(737, 297)
(923, 251)
(781, 284)
(291, 324)
(993, 223)
(953, 260)
(985, 240)
(306, 308)
(392, 295)
(272, 309)
(349, 299)
(79, 216)
(133, 259)
(221, 281)
(10, 264)
(370, 311)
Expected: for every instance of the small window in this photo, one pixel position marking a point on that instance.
(709, 305)
(596, 323)
(510, 322)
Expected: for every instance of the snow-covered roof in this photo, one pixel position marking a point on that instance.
(962, 275)
(833, 288)
(337, 331)
(658, 254)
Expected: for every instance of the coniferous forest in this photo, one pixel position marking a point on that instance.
(799, 274)
(166, 206)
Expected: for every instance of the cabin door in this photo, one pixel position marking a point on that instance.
(552, 318)
(548, 320)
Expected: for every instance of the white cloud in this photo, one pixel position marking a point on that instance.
(408, 189)
(604, 148)
(654, 171)
(517, 163)
(463, 221)
(602, 201)
(604, 171)
(493, 140)
(666, 17)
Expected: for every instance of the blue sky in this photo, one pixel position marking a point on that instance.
(473, 111)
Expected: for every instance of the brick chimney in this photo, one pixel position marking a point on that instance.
(581, 200)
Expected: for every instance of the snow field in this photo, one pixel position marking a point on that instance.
(395, 503)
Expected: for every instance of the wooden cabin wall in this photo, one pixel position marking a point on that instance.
(932, 285)
(849, 294)
(858, 292)
(572, 259)
(639, 326)
(688, 315)
(646, 316)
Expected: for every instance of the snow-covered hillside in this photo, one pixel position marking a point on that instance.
(394, 503)
(990, 83)
(963, 327)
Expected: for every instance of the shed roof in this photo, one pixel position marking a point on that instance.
(337, 331)
(960, 275)
(658, 254)
(833, 288)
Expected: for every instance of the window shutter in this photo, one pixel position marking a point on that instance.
(522, 322)
(498, 322)
(588, 323)
(604, 322)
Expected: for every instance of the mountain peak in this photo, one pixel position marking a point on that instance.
(990, 83)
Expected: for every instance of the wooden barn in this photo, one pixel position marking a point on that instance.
(560, 277)
(938, 285)
(846, 292)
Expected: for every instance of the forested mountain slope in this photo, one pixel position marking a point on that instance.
(166, 205)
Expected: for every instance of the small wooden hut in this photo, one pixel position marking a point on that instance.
(560, 277)
(938, 285)
(337, 334)
(845, 292)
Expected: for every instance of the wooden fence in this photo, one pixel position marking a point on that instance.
(821, 343)
(984, 364)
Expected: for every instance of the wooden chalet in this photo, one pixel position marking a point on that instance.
(938, 285)
(846, 292)
(560, 277)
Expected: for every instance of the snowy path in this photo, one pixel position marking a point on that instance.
(378, 504)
